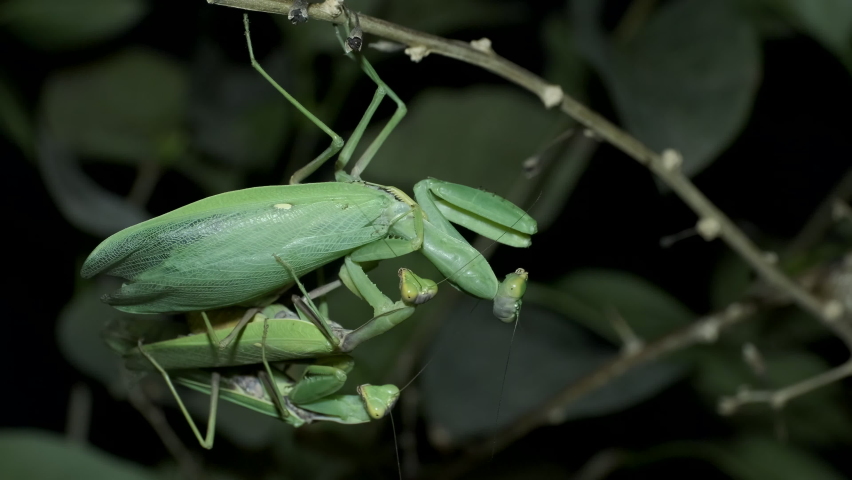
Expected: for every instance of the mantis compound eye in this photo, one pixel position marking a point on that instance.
(507, 302)
(415, 289)
(378, 399)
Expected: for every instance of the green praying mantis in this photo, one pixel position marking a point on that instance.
(224, 250)
(277, 334)
(280, 337)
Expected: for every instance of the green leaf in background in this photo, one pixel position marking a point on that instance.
(441, 16)
(248, 429)
(129, 107)
(761, 458)
(731, 280)
(566, 66)
(461, 385)
(15, 121)
(238, 117)
(820, 416)
(83, 202)
(79, 330)
(478, 136)
(43, 455)
(64, 25)
(594, 298)
(751, 457)
(561, 177)
(695, 98)
(828, 21)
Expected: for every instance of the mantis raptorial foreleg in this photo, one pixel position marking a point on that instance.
(414, 289)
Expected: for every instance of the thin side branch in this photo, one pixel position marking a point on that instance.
(777, 399)
(825, 215)
(704, 330)
(186, 461)
(835, 283)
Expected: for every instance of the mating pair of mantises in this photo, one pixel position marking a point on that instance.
(248, 246)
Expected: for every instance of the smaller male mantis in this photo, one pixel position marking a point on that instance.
(249, 389)
(278, 334)
(309, 335)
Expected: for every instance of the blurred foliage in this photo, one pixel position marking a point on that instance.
(135, 104)
(694, 98)
(25, 454)
(59, 25)
(127, 109)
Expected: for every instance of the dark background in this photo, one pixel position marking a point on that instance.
(791, 149)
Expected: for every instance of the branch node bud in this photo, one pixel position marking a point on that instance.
(552, 96)
(832, 310)
(483, 45)
(709, 228)
(671, 159)
(753, 358)
(770, 257)
(417, 53)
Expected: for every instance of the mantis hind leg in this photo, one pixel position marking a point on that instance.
(307, 306)
(381, 90)
(322, 379)
(268, 378)
(207, 441)
(246, 318)
(336, 140)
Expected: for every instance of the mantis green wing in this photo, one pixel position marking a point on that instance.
(220, 251)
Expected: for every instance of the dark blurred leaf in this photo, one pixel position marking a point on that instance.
(685, 81)
(828, 21)
(289, 449)
(818, 416)
(594, 298)
(63, 25)
(566, 66)
(78, 332)
(83, 202)
(561, 178)
(211, 178)
(42, 455)
(731, 280)
(248, 429)
(476, 136)
(128, 108)
(441, 16)
(747, 458)
(461, 385)
(239, 118)
(760, 458)
(15, 122)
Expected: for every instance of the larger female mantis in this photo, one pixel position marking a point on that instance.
(221, 250)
